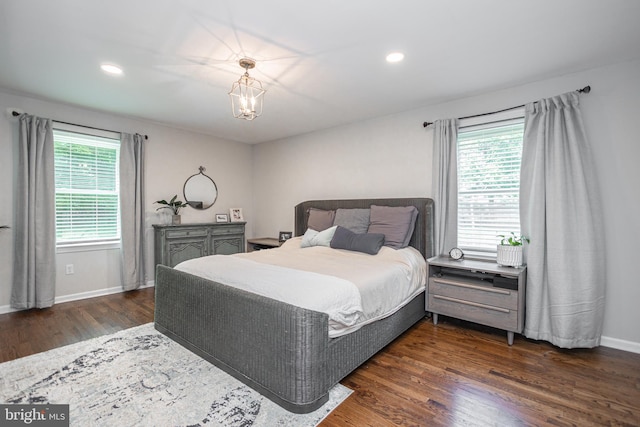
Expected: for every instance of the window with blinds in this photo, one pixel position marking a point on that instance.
(489, 158)
(87, 187)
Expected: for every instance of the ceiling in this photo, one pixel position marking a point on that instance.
(322, 62)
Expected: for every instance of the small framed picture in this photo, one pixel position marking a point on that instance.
(222, 218)
(284, 235)
(236, 214)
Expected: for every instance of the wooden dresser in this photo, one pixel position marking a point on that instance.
(477, 291)
(176, 243)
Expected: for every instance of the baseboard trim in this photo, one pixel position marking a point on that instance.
(616, 343)
(4, 309)
(619, 344)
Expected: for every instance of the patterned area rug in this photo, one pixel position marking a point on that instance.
(139, 377)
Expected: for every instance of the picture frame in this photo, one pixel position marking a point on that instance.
(235, 214)
(222, 217)
(284, 235)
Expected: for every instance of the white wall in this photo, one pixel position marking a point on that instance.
(171, 157)
(391, 157)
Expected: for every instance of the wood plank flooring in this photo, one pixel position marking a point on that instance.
(32, 331)
(452, 374)
(459, 373)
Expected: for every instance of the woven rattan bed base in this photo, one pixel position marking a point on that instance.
(280, 350)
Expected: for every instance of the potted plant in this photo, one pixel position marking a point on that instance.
(510, 250)
(175, 206)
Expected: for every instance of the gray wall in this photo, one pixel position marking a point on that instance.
(171, 157)
(391, 157)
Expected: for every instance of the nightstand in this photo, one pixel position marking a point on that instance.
(477, 291)
(262, 243)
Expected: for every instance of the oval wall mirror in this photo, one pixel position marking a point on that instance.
(200, 192)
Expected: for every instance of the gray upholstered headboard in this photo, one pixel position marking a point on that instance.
(422, 238)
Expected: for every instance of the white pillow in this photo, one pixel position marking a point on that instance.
(317, 238)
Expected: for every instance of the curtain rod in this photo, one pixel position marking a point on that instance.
(14, 113)
(585, 89)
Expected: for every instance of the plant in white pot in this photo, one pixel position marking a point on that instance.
(175, 206)
(510, 250)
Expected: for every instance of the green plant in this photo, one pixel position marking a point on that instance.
(513, 240)
(173, 204)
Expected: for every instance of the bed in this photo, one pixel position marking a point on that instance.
(281, 350)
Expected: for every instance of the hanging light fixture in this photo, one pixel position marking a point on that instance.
(246, 94)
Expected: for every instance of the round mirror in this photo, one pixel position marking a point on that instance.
(200, 192)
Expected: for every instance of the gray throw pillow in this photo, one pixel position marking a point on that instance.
(319, 219)
(395, 222)
(356, 220)
(367, 243)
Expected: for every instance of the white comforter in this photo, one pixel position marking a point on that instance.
(351, 287)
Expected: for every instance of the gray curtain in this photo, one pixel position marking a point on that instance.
(445, 184)
(132, 214)
(34, 268)
(560, 210)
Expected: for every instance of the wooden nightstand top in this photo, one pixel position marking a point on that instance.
(265, 241)
(475, 265)
(262, 243)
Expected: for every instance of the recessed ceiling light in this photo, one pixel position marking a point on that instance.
(395, 57)
(111, 69)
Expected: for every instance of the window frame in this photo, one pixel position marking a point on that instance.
(479, 121)
(95, 244)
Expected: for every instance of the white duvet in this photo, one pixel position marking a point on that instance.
(351, 287)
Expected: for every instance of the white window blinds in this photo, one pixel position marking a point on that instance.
(489, 158)
(87, 187)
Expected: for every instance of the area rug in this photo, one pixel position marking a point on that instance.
(139, 377)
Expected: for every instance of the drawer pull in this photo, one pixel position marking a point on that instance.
(474, 304)
(470, 286)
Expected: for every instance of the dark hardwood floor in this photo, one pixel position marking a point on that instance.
(32, 331)
(461, 374)
(453, 374)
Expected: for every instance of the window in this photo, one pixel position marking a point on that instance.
(489, 158)
(87, 186)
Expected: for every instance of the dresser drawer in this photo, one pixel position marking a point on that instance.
(223, 231)
(475, 292)
(497, 317)
(196, 232)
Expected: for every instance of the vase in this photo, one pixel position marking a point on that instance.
(175, 220)
(509, 256)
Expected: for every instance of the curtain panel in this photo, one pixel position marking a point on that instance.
(560, 211)
(445, 184)
(132, 213)
(34, 268)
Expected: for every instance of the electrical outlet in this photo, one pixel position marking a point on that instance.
(69, 269)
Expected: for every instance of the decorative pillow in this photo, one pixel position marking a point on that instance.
(367, 243)
(396, 223)
(317, 238)
(320, 220)
(356, 220)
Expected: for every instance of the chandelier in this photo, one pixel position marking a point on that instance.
(246, 94)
